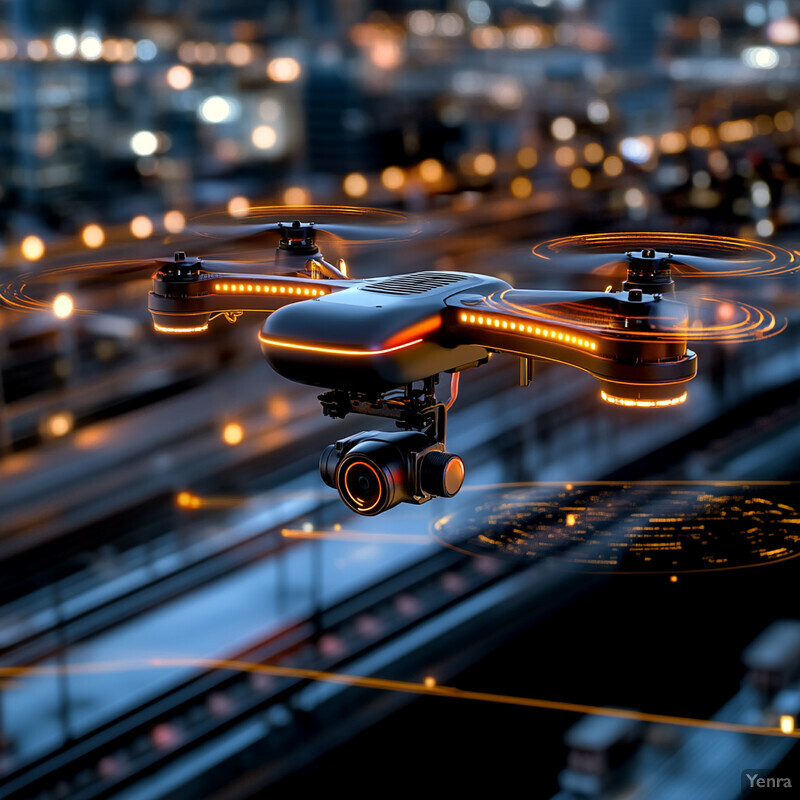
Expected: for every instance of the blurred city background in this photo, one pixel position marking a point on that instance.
(160, 499)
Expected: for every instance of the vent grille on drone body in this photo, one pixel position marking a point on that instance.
(416, 283)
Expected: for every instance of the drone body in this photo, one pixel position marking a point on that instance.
(372, 342)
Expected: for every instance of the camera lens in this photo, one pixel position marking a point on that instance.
(363, 485)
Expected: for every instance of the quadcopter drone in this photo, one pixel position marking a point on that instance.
(378, 346)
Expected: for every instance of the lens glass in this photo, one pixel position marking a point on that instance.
(362, 485)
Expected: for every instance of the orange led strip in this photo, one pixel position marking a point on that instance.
(335, 350)
(622, 401)
(163, 329)
(257, 288)
(536, 331)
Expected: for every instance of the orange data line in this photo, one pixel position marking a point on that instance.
(428, 688)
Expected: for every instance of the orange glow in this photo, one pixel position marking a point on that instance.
(527, 157)
(593, 152)
(232, 434)
(141, 227)
(174, 221)
(258, 288)
(334, 350)
(355, 185)
(564, 156)
(430, 170)
(417, 331)
(238, 207)
(393, 178)
(32, 248)
(787, 724)
(430, 682)
(184, 499)
(295, 196)
(672, 142)
(521, 187)
(580, 178)
(59, 424)
(63, 306)
(570, 520)
(484, 164)
(736, 130)
(514, 325)
(613, 166)
(357, 501)
(622, 401)
(702, 136)
(163, 329)
(385, 684)
(283, 70)
(93, 236)
(179, 77)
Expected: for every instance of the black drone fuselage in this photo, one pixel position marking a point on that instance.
(370, 342)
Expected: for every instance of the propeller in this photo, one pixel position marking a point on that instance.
(691, 255)
(303, 223)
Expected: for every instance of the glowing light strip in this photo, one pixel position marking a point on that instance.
(257, 288)
(622, 401)
(335, 350)
(539, 331)
(162, 329)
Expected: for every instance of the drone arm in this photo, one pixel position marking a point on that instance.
(187, 306)
(639, 354)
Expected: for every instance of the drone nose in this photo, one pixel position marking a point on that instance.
(648, 253)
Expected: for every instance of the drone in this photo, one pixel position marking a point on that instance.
(379, 346)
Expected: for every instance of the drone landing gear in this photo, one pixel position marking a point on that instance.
(375, 470)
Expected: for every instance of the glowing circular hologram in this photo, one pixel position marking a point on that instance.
(692, 255)
(348, 223)
(693, 317)
(630, 527)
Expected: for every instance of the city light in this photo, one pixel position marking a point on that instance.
(295, 196)
(613, 166)
(484, 164)
(355, 185)
(58, 424)
(93, 236)
(216, 109)
(32, 248)
(787, 724)
(264, 137)
(564, 156)
(91, 46)
(238, 207)
(562, 128)
(146, 50)
(760, 57)
(636, 149)
(174, 221)
(179, 77)
(144, 143)
(593, 152)
(521, 187)
(431, 170)
(232, 434)
(580, 178)
(63, 306)
(393, 178)
(527, 157)
(141, 227)
(283, 70)
(65, 44)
